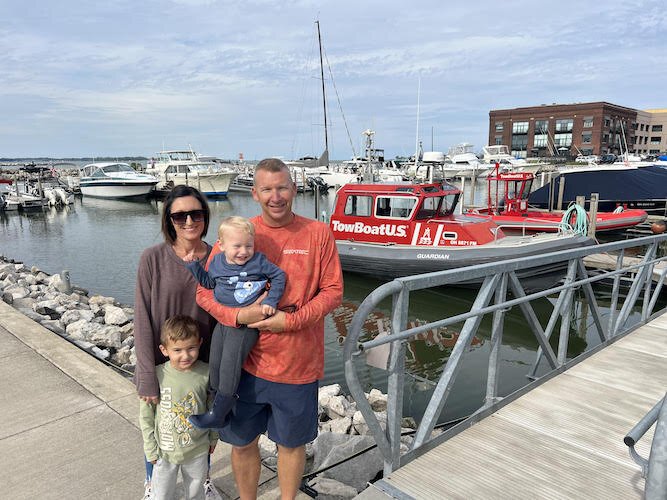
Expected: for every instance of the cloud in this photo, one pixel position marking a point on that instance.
(246, 75)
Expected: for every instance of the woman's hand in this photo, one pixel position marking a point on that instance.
(151, 400)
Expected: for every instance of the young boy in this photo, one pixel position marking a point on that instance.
(238, 276)
(170, 441)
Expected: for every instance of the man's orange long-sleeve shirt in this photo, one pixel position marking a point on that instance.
(305, 249)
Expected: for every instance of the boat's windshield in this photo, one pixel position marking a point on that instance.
(398, 207)
(176, 156)
(200, 167)
(117, 167)
(435, 206)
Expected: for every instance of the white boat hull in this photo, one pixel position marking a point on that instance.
(394, 261)
(109, 189)
(213, 184)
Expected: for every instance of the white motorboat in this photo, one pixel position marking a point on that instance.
(115, 180)
(175, 168)
(500, 154)
(465, 160)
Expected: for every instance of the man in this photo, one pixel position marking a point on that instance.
(278, 388)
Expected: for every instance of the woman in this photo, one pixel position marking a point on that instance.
(166, 288)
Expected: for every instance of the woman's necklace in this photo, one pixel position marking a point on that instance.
(198, 250)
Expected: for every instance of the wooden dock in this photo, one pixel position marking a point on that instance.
(563, 439)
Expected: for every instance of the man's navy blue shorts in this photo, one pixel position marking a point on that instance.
(287, 411)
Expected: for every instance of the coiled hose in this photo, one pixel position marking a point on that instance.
(576, 219)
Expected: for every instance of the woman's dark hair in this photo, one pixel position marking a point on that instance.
(168, 229)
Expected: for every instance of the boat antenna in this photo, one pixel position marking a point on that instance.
(419, 86)
(324, 98)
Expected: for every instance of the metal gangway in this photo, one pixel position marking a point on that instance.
(501, 289)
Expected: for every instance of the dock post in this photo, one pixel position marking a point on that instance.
(561, 191)
(593, 213)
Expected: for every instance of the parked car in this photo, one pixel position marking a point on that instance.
(608, 158)
(586, 159)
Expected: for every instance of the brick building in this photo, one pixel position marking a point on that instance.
(582, 128)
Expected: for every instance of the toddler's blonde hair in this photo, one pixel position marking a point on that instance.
(235, 222)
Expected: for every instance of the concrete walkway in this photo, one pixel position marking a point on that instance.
(71, 423)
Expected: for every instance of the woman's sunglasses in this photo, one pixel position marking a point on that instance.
(182, 217)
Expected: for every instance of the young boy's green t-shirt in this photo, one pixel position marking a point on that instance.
(165, 428)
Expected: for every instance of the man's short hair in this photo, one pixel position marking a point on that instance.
(178, 328)
(271, 165)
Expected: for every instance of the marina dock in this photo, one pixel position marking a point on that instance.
(563, 439)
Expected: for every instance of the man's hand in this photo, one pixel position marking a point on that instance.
(252, 313)
(275, 323)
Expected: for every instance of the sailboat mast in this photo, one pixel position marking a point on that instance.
(324, 98)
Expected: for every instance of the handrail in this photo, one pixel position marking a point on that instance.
(497, 278)
(655, 468)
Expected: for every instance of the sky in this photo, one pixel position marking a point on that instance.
(130, 78)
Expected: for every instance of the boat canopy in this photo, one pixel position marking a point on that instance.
(643, 183)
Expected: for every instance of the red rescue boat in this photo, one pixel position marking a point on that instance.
(402, 229)
(507, 206)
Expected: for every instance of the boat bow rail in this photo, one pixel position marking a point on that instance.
(492, 298)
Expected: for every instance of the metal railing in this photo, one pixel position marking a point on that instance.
(492, 298)
(653, 470)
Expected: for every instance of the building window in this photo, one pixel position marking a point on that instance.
(499, 140)
(653, 151)
(605, 139)
(541, 127)
(588, 122)
(607, 121)
(520, 128)
(540, 141)
(656, 128)
(562, 140)
(499, 126)
(564, 125)
(586, 137)
(655, 140)
(519, 142)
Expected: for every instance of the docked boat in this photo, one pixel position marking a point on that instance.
(626, 186)
(175, 168)
(500, 154)
(23, 202)
(114, 180)
(393, 230)
(4, 186)
(507, 206)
